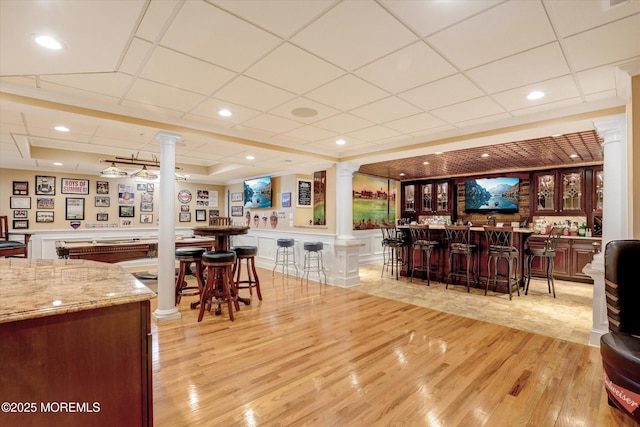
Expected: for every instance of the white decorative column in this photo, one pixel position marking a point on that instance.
(347, 248)
(615, 211)
(166, 230)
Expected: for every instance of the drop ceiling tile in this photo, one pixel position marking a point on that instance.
(155, 18)
(447, 91)
(504, 30)
(572, 17)
(349, 35)
(309, 133)
(111, 84)
(386, 109)
(548, 106)
(607, 94)
(272, 124)
(285, 110)
(603, 45)
(152, 93)
(63, 89)
(483, 120)
(433, 131)
(283, 18)
(597, 79)
(254, 94)
(184, 72)
(374, 133)
(407, 68)
(151, 108)
(468, 110)
(427, 17)
(415, 123)
(542, 63)
(213, 35)
(291, 67)
(343, 123)
(346, 93)
(134, 56)
(555, 90)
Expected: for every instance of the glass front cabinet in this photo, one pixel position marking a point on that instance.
(426, 198)
(559, 192)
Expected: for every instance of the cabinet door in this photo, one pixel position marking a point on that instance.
(545, 192)
(581, 254)
(598, 190)
(561, 261)
(427, 198)
(443, 197)
(409, 198)
(573, 195)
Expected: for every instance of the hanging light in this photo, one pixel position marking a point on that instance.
(144, 174)
(113, 172)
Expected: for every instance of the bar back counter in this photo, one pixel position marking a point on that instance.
(76, 344)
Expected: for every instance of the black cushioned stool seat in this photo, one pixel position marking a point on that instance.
(285, 255)
(313, 261)
(247, 253)
(219, 287)
(621, 362)
(187, 256)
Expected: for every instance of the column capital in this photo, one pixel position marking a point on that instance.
(611, 128)
(346, 168)
(167, 136)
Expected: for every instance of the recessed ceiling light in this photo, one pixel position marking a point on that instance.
(425, 163)
(61, 128)
(57, 163)
(225, 113)
(555, 135)
(573, 156)
(535, 95)
(438, 152)
(250, 157)
(485, 155)
(49, 42)
(402, 174)
(341, 142)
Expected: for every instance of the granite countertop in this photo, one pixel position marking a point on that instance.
(31, 288)
(473, 228)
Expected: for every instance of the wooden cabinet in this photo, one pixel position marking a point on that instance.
(559, 192)
(426, 198)
(571, 257)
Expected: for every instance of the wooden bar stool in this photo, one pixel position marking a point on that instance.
(285, 255)
(421, 238)
(219, 287)
(500, 246)
(392, 246)
(187, 256)
(459, 238)
(247, 253)
(313, 261)
(547, 252)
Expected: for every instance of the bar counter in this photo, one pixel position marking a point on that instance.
(76, 340)
(439, 257)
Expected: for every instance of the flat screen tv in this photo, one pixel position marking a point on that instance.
(492, 195)
(257, 193)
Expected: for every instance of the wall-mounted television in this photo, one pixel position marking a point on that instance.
(257, 193)
(492, 195)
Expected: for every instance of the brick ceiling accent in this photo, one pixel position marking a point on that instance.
(531, 154)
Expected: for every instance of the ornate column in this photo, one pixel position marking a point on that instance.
(166, 309)
(615, 211)
(347, 248)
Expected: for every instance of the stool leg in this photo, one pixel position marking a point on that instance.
(550, 275)
(206, 293)
(255, 277)
(180, 281)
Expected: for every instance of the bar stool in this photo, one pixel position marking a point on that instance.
(187, 256)
(459, 238)
(392, 246)
(285, 255)
(313, 261)
(547, 252)
(219, 287)
(500, 246)
(247, 253)
(421, 238)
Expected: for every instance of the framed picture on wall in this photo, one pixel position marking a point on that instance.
(20, 213)
(102, 217)
(20, 224)
(102, 201)
(44, 216)
(286, 200)
(236, 197)
(20, 188)
(146, 218)
(127, 211)
(236, 211)
(304, 193)
(74, 186)
(146, 207)
(102, 187)
(45, 202)
(185, 216)
(74, 208)
(19, 202)
(45, 185)
(201, 214)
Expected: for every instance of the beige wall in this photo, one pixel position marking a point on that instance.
(8, 176)
(634, 144)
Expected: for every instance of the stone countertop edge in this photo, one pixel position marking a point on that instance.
(34, 288)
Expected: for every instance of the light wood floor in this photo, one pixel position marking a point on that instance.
(318, 355)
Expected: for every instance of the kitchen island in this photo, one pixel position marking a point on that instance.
(76, 344)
